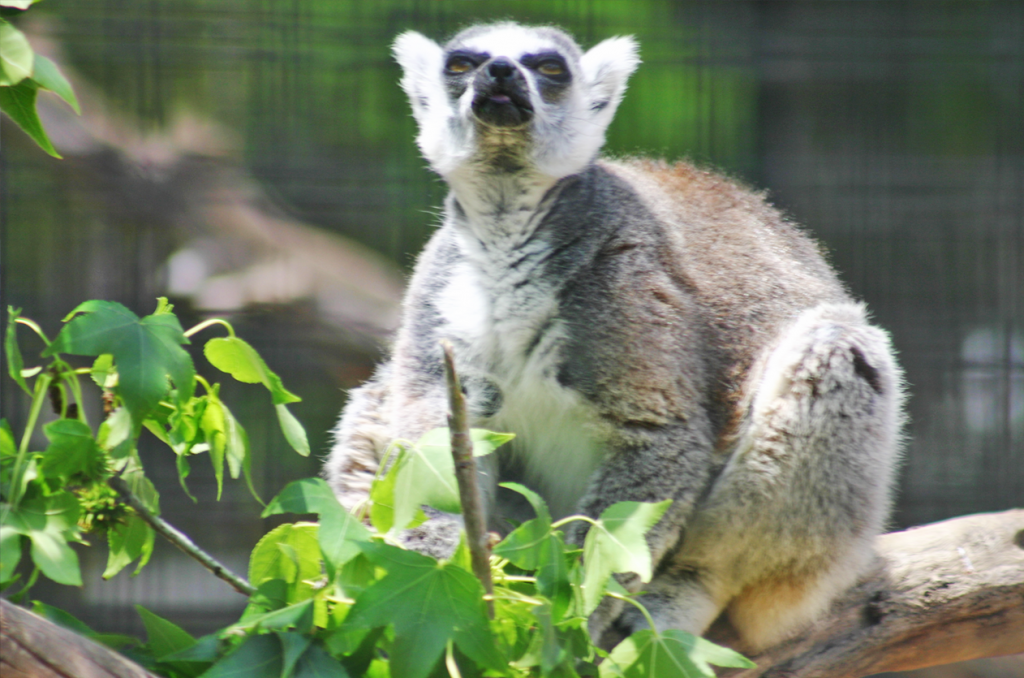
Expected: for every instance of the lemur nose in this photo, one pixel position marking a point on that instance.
(501, 69)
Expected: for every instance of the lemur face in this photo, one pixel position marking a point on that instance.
(510, 72)
(502, 91)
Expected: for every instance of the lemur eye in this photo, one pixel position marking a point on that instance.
(459, 65)
(550, 68)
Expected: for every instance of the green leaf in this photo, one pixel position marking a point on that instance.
(553, 645)
(316, 663)
(339, 531)
(48, 76)
(236, 443)
(55, 558)
(426, 473)
(163, 307)
(293, 431)
(617, 544)
(524, 544)
(7, 445)
(141, 486)
(270, 595)
(256, 657)
(553, 575)
(19, 102)
(293, 646)
(15, 55)
(298, 615)
(673, 654)
(214, 426)
(428, 603)
(236, 357)
(129, 540)
(382, 498)
(72, 451)
(181, 463)
(49, 522)
(291, 553)
(29, 472)
(534, 546)
(237, 451)
(61, 618)
(65, 619)
(704, 652)
(10, 552)
(115, 429)
(357, 645)
(103, 371)
(205, 649)
(462, 555)
(485, 442)
(185, 424)
(15, 364)
(164, 637)
(146, 351)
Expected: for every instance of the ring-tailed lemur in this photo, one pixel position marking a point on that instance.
(647, 330)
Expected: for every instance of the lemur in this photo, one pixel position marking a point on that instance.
(648, 331)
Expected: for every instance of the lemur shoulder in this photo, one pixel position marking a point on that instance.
(649, 331)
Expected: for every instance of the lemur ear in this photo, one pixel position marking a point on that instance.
(606, 68)
(421, 60)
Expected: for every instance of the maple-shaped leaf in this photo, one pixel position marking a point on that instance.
(428, 603)
(339, 531)
(426, 472)
(535, 546)
(616, 543)
(146, 352)
(672, 654)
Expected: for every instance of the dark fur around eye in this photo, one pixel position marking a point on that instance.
(548, 61)
(459, 62)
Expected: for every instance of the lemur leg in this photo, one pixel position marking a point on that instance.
(679, 598)
(789, 523)
(675, 462)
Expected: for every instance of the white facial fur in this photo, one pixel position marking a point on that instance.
(563, 136)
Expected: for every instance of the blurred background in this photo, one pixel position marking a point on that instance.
(254, 159)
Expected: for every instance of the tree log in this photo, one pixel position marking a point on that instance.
(32, 647)
(937, 594)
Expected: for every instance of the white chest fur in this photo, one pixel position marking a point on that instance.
(504, 308)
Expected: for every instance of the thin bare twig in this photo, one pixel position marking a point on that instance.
(179, 539)
(465, 475)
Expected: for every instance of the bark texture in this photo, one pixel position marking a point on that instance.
(938, 594)
(32, 647)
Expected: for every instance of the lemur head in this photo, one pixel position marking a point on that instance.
(508, 97)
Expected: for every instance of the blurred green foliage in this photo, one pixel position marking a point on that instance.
(311, 87)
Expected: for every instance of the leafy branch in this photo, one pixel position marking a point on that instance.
(331, 597)
(179, 539)
(93, 482)
(22, 74)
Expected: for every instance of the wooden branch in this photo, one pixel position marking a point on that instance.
(477, 539)
(938, 594)
(179, 539)
(32, 647)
